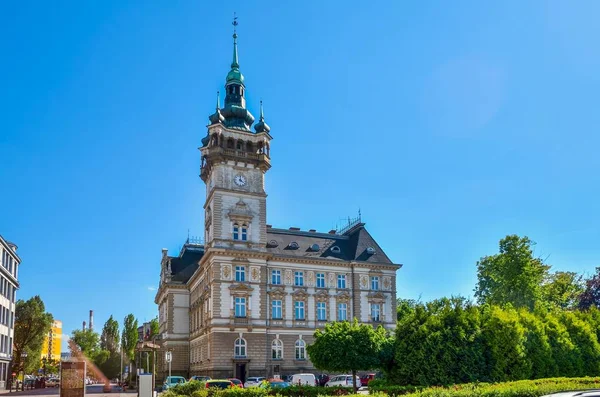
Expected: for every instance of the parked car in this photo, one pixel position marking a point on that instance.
(254, 381)
(237, 382)
(200, 378)
(287, 378)
(304, 379)
(52, 382)
(343, 381)
(219, 383)
(322, 379)
(365, 379)
(275, 383)
(172, 381)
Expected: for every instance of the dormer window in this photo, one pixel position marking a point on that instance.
(236, 231)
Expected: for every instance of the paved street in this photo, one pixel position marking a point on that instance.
(92, 389)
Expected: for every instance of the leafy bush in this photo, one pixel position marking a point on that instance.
(187, 389)
(522, 388)
(393, 390)
(378, 383)
(239, 392)
(310, 391)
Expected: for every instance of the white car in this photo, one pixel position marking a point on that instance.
(343, 381)
(254, 381)
(304, 380)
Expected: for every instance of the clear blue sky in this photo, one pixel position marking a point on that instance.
(448, 125)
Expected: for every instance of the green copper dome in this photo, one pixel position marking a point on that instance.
(235, 75)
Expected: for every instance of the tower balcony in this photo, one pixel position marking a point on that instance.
(217, 154)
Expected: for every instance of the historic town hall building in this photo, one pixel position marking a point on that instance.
(247, 301)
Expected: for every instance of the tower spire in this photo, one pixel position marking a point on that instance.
(235, 63)
(261, 126)
(218, 101)
(262, 116)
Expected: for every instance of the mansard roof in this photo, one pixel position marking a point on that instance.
(184, 265)
(355, 244)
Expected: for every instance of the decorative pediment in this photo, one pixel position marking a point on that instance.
(376, 297)
(240, 289)
(343, 296)
(300, 294)
(240, 212)
(322, 295)
(277, 293)
(240, 261)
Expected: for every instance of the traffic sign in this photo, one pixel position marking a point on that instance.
(168, 357)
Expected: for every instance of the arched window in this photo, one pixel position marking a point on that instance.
(244, 232)
(300, 350)
(249, 147)
(277, 349)
(236, 231)
(240, 145)
(240, 348)
(230, 143)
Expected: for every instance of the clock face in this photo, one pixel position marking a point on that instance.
(240, 180)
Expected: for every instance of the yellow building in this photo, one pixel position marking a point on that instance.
(53, 342)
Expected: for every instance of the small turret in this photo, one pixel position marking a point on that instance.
(261, 126)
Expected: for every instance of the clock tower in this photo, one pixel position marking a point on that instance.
(234, 160)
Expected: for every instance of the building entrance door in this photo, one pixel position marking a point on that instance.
(240, 372)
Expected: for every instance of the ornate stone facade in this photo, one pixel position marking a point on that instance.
(247, 301)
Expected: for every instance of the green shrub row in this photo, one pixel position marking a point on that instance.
(522, 388)
(452, 341)
(197, 389)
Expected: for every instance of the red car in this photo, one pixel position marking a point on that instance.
(237, 382)
(365, 379)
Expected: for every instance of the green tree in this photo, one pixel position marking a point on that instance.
(405, 307)
(439, 343)
(129, 338)
(504, 338)
(563, 289)
(347, 346)
(154, 327)
(87, 341)
(109, 340)
(591, 294)
(32, 324)
(513, 276)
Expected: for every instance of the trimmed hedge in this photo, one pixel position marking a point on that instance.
(521, 388)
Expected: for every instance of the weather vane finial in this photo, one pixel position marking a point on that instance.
(235, 24)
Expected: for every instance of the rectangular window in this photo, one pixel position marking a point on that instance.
(244, 232)
(299, 309)
(276, 311)
(299, 279)
(240, 273)
(375, 312)
(320, 280)
(342, 312)
(321, 311)
(375, 283)
(236, 231)
(240, 307)
(276, 277)
(341, 281)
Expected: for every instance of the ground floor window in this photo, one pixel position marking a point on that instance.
(240, 348)
(300, 350)
(277, 349)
